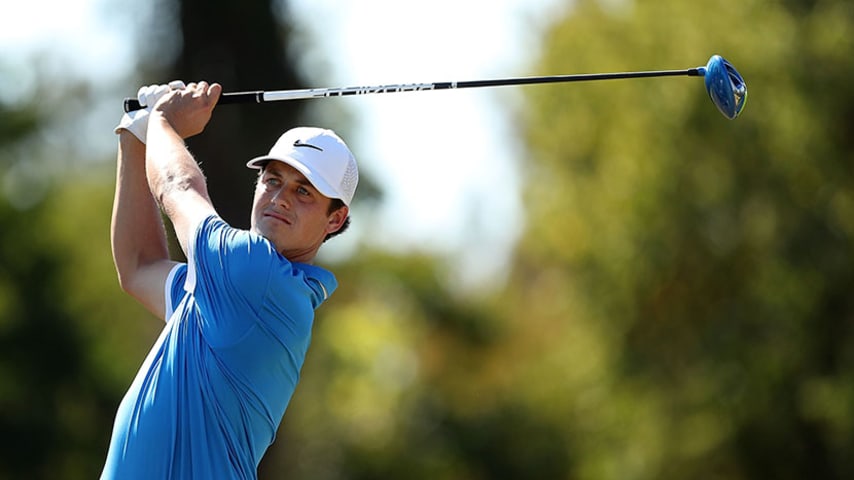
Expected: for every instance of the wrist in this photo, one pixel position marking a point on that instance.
(128, 138)
(158, 121)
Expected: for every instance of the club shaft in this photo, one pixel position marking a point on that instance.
(131, 104)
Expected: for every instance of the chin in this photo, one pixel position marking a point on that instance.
(264, 232)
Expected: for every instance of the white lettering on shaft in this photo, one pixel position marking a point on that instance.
(411, 87)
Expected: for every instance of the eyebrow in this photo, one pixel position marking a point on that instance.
(277, 172)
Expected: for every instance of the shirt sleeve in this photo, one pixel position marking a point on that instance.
(174, 288)
(237, 275)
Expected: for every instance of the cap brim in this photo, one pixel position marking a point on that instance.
(319, 183)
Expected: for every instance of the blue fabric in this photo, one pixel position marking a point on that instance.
(212, 391)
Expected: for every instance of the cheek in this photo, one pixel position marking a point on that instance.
(257, 203)
(259, 190)
(319, 219)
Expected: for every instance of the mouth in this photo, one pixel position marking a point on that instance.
(278, 217)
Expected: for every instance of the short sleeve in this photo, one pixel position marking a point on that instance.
(174, 288)
(237, 277)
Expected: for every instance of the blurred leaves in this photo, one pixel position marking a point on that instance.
(714, 249)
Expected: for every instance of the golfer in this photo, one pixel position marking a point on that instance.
(212, 391)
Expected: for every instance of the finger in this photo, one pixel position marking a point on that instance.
(215, 90)
(201, 90)
(176, 85)
(140, 95)
(149, 94)
(157, 93)
(144, 94)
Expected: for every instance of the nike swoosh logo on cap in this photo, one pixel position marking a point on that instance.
(299, 143)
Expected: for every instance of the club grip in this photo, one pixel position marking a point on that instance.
(132, 104)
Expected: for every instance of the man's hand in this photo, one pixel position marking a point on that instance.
(188, 110)
(136, 122)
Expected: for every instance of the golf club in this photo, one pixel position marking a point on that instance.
(724, 84)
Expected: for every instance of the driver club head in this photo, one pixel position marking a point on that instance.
(725, 85)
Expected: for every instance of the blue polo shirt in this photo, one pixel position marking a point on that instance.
(212, 391)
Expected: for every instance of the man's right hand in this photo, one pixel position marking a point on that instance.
(189, 109)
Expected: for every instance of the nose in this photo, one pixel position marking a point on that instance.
(281, 197)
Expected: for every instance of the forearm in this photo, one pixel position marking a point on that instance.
(137, 234)
(170, 167)
(175, 179)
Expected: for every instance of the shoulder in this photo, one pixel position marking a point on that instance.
(222, 256)
(250, 263)
(319, 280)
(215, 235)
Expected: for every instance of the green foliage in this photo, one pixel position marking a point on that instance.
(67, 350)
(680, 304)
(70, 340)
(714, 258)
(391, 384)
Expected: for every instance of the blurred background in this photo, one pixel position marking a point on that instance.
(594, 281)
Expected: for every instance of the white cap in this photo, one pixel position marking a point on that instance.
(321, 156)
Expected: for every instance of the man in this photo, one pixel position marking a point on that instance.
(209, 396)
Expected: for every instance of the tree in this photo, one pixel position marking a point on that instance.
(63, 368)
(243, 46)
(697, 283)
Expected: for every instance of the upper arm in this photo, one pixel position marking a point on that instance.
(186, 209)
(148, 285)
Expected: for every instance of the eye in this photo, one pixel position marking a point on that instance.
(303, 191)
(272, 182)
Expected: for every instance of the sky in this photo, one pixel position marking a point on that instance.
(448, 161)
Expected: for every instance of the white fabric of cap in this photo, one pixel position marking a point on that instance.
(321, 156)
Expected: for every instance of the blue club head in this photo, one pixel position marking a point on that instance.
(725, 86)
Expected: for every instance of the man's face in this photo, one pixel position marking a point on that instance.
(291, 213)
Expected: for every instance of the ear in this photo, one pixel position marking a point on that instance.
(336, 219)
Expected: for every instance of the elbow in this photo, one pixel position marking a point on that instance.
(127, 272)
(124, 281)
